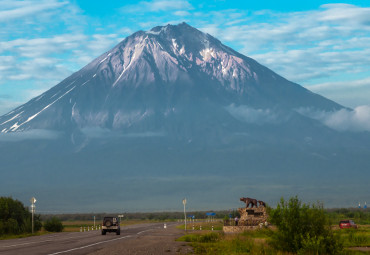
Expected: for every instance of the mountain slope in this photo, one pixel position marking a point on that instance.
(153, 75)
(172, 113)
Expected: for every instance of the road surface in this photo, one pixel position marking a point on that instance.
(81, 242)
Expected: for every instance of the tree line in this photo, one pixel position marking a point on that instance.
(15, 218)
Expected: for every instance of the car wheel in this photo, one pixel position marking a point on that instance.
(118, 232)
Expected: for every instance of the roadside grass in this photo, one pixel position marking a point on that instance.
(355, 237)
(257, 241)
(216, 242)
(75, 226)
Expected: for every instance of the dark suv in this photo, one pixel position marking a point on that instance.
(111, 224)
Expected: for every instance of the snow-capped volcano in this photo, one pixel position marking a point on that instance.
(153, 75)
(172, 113)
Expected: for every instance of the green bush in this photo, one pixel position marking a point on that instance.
(15, 218)
(53, 225)
(303, 229)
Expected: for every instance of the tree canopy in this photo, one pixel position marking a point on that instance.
(15, 217)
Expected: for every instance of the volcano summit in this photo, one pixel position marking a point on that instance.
(173, 112)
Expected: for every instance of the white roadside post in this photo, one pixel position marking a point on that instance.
(184, 202)
(33, 207)
(120, 218)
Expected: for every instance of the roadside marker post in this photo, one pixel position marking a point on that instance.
(120, 218)
(184, 202)
(33, 207)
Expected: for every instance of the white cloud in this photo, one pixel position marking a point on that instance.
(20, 9)
(345, 13)
(158, 6)
(350, 92)
(301, 46)
(181, 13)
(251, 115)
(356, 120)
(340, 85)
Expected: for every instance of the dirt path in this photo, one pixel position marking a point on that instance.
(363, 249)
(154, 242)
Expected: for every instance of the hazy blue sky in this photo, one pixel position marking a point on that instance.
(322, 45)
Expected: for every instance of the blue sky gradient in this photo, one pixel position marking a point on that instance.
(322, 45)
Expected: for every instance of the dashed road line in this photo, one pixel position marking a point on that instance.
(87, 246)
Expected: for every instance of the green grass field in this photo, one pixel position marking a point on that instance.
(256, 242)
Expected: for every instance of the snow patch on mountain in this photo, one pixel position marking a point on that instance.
(15, 116)
(125, 68)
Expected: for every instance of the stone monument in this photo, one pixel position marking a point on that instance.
(252, 216)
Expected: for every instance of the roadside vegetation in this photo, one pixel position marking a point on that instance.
(298, 228)
(15, 219)
(303, 228)
(53, 225)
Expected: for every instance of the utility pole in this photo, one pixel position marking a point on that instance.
(184, 202)
(33, 207)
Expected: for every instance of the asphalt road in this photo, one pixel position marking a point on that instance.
(73, 243)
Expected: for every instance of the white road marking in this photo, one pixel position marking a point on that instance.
(43, 241)
(143, 231)
(87, 246)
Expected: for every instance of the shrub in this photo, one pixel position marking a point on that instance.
(53, 225)
(303, 228)
(15, 218)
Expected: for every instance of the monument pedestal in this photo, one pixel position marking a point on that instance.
(250, 219)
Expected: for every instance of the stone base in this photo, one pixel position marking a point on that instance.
(252, 216)
(238, 229)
